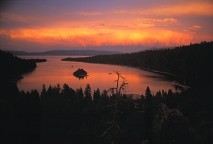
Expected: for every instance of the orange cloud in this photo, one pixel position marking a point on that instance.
(201, 8)
(195, 27)
(160, 25)
(148, 22)
(84, 36)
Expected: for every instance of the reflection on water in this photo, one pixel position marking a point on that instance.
(80, 77)
(55, 71)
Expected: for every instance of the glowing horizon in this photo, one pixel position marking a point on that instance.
(98, 24)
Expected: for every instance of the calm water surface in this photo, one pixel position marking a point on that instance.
(101, 76)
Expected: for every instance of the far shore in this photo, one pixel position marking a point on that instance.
(169, 76)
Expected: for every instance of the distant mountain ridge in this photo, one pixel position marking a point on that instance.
(67, 53)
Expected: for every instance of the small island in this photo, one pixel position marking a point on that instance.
(80, 73)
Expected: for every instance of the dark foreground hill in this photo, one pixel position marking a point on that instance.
(12, 67)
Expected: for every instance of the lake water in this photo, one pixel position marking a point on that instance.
(101, 76)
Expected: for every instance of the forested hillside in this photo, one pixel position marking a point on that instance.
(63, 115)
(190, 64)
(13, 127)
(13, 67)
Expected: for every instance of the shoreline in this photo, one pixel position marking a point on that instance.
(169, 76)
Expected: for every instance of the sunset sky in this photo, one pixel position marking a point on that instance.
(119, 25)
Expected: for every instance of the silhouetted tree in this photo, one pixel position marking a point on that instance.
(87, 93)
(96, 95)
(149, 114)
